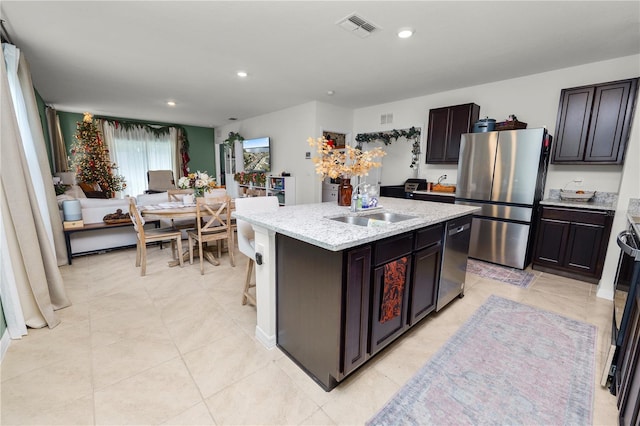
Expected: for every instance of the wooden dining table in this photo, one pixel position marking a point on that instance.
(178, 210)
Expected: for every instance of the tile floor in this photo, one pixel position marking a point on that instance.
(178, 348)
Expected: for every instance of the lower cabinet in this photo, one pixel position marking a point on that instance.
(335, 310)
(356, 307)
(426, 273)
(391, 277)
(572, 242)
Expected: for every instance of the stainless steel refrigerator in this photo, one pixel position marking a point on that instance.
(503, 173)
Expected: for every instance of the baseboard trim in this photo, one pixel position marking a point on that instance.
(269, 342)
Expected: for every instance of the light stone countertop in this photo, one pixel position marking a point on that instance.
(311, 223)
(601, 201)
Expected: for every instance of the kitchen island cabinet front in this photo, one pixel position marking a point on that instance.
(335, 310)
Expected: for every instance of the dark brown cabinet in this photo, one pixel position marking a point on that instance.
(356, 319)
(391, 273)
(335, 310)
(426, 273)
(446, 125)
(594, 123)
(572, 242)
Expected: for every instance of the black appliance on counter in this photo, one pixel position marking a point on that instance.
(404, 191)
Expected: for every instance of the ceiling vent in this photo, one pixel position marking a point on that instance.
(357, 25)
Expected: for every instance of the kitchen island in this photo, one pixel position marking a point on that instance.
(314, 256)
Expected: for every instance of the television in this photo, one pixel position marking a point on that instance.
(256, 155)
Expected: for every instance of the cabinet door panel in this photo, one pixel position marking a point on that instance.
(459, 123)
(437, 136)
(607, 122)
(551, 242)
(573, 124)
(356, 308)
(424, 287)
(583, 247)
(389, 305)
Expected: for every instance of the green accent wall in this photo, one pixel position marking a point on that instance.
(201, 139)
(42, 111)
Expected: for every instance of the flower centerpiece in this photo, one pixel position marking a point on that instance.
(344, 163)
(199, 181)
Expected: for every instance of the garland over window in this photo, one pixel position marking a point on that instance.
(386, 137)
(158, 131)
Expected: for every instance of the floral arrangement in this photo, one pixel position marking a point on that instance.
(255, 178)
(345, 163)
(199, 181)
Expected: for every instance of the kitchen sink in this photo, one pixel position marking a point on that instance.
(374, 219)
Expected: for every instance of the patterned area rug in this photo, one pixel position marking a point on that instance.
(507, 275)
(508, 364)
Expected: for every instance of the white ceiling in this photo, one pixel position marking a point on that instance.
(126, 59)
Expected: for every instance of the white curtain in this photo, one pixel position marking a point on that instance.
(137, 150)
(32, 237)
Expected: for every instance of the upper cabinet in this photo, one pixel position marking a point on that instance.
(446, 125)
(594, 123)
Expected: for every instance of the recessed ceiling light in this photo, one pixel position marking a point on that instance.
(242, 73)
(171, 103)
(405, 32)
(330, 93)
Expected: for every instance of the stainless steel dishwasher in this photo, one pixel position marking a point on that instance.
(454, 260)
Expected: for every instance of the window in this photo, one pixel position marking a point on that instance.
(136, 150)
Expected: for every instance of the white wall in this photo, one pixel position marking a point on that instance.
(289, 130)
(533, 99)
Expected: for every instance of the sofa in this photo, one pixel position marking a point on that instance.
(93, 211)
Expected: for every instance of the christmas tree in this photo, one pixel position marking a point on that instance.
(91, 160)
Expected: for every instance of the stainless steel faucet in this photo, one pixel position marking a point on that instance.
(441, 178)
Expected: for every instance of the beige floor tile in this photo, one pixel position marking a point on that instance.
(303, 381)
(130, 324)
(128, 357)
(77, 412)
(254, 400)
(226, 361)
(318, 418)
(201, 328)
(196, 415)
(43, 347)
(46, 389)
(167, 341)
(133, 297)
(151, 397)
(359, 397)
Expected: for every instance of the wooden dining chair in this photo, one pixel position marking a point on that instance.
(175, 196)
(145, 236)
(213, 223)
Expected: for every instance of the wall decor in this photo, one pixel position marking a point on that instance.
(412, 133)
